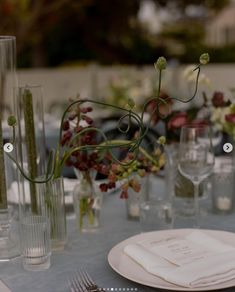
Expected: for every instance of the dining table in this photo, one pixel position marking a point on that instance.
(90, 250)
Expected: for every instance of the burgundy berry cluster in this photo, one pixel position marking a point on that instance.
(77, 121)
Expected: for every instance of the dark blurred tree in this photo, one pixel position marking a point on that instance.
(51, 32)
(88, 28)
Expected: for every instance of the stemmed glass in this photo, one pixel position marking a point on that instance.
(196, 158)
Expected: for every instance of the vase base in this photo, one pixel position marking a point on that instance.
(89, 230)
(41, 264)
(8, 250)
(57, 245)
(133, 218)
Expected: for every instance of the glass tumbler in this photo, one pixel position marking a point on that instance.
(156, 215)
(35, 243)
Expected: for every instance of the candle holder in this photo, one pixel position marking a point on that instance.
(136, 198)
(223, 188)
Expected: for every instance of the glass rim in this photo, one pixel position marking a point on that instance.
(195, 126)
(7, 38)
(29, 86)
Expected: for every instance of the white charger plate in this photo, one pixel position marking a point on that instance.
(129, 269)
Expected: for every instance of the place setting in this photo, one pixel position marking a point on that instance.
(181, 259)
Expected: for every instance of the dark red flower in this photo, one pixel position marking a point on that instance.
(72, 116)
(103, 187)
(230, 118)
(65, 126)
(87, 119)
(218, 99)
(124, 194)
(111, 185)
(78, 129)
(178, 121)
(94, 156)
(89, 109)
(159, 107)
(66, 137)
(69, 162)
(83, 110)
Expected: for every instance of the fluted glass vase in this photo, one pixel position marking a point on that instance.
(50, 198)
(8, 80)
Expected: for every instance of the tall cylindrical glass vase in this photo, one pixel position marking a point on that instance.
(30, 143)
(8, 81)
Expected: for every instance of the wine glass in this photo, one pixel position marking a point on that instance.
(196, 158)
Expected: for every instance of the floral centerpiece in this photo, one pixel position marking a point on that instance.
(78, 147)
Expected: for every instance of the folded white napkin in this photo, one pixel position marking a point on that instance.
(196, 260)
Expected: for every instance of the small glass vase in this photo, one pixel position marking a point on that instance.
(135, 199)
(87, 203)
(50, 199)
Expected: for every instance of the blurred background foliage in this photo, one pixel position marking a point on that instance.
(72, 32)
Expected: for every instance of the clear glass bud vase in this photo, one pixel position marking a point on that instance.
(87, 203)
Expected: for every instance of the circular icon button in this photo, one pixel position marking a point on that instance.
(228, 147)
(8, 147)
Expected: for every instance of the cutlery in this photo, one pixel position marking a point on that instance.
(76, 286)
(88, 282)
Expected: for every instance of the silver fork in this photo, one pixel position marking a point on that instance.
(88, 282)
(76, 286)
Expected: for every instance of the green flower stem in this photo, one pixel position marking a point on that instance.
(159, 100)
(30, 141)
(147, 155)
(35, 181)
(86, 202)
(3, 189)
(159, 83)
(51, 208)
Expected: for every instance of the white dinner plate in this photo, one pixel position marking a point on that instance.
(129, 269)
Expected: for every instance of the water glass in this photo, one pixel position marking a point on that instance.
(35, 242)
(223, 188)
(156, 215)
(196, 158)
